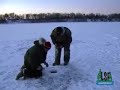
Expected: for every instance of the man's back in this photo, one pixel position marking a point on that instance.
(34, 56)
(63, 38)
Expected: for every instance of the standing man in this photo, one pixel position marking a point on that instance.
(34, 57)
(61, 38)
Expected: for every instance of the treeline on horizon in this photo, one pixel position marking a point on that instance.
(58, 17)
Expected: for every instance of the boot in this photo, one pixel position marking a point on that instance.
(54, 64)
(19, 75)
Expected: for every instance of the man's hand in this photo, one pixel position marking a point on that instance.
(46, 64)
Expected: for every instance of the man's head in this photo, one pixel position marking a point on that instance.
(59, 30)
(41, 41)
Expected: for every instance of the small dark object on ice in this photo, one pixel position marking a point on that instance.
(53, 71)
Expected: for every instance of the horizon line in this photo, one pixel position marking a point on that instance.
(58, 12)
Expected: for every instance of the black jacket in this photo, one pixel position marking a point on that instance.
(35, 56)
(64, 39)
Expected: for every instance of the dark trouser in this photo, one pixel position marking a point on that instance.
(28, 72)
(66, 54)
(32, 73)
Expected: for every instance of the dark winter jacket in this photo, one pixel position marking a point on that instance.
(64, 39)
(35, 56)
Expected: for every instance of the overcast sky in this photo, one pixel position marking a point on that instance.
(61, 6)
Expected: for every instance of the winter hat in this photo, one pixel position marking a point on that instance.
(59, 30)
(41, 41)
(47, 45)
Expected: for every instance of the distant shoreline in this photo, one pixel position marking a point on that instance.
(58, 17)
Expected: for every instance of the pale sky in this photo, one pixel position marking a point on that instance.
(60, 6)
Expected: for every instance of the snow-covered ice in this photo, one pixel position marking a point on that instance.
(95, 46)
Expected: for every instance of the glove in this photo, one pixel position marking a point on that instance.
(46, 64)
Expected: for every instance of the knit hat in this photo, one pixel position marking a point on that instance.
(59, 30)
(47, 45)
(41, 41)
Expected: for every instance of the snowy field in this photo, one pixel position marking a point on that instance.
(95, 46)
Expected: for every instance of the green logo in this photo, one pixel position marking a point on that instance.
(104, 78)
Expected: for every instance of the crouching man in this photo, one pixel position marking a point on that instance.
(34, 57)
